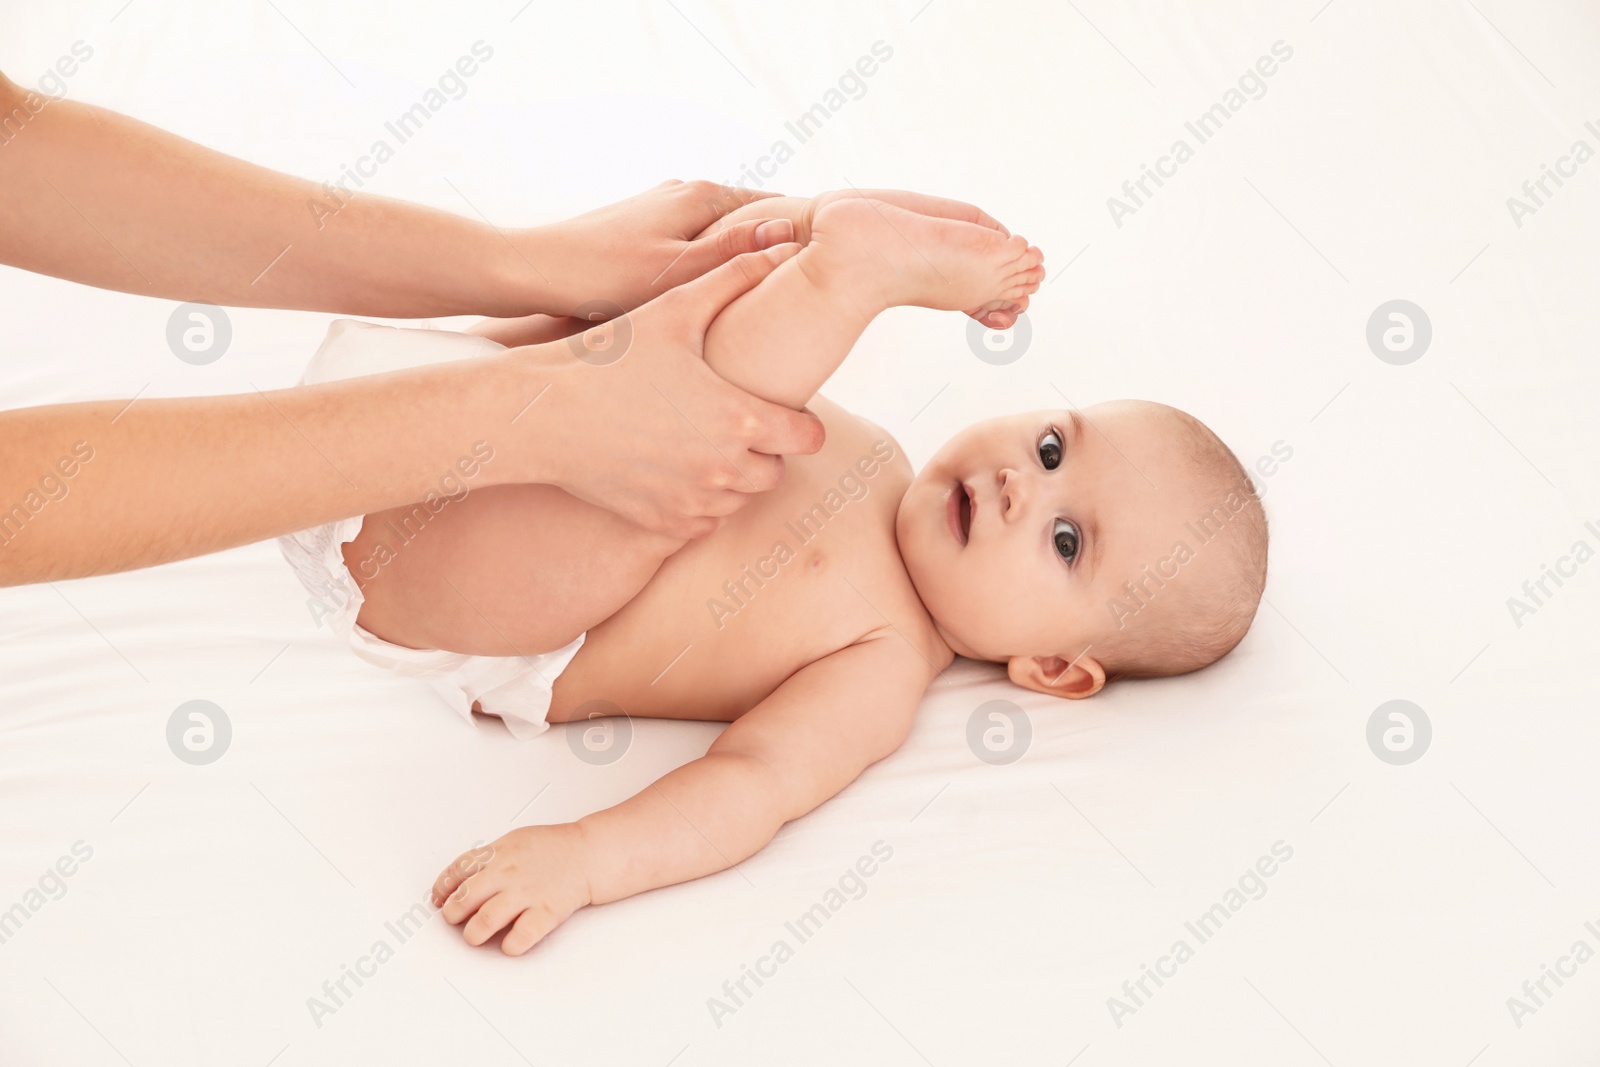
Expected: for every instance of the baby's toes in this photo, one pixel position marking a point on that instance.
(1030, 258)
(1024, 283)
(1013, 251)
(1001, 314)
(496, 913)
(992, 313)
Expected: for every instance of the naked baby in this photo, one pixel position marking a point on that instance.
(814, 618)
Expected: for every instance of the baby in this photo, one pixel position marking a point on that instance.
(1119, 541)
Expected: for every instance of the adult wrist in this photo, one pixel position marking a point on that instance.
(533, 272)
(521, 394)
(510, 284)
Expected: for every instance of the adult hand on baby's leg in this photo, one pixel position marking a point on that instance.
(803, 212)
(632, 251)
(526, 883)
(656, 436)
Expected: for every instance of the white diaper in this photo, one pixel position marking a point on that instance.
(516, 688)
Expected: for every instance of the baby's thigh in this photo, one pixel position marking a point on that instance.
(508, 570)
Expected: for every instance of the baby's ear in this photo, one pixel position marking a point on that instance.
(1054, 676)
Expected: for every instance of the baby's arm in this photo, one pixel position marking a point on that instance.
(808, 740)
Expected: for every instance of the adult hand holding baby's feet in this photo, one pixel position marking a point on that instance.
(632, 251)
(526, 883)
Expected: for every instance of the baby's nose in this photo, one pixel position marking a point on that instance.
(1014, 495)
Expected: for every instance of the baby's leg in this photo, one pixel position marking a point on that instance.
(520, 570)
(784, 338)
(800, 210)
(510, 570)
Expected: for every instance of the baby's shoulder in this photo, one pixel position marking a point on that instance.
(864, 445)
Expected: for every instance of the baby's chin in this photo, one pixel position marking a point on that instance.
(918, 528)
(952, 622)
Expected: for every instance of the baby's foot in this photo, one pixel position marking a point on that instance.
(900, 256)
(921, 203)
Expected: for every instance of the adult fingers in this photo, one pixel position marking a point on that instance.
(684, 522)
(716, 200)
(782, 432)
(715, 249)
(704, 298)
(761, 472)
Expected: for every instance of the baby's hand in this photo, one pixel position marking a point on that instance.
(530, 880)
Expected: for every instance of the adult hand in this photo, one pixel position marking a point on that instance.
(655, 435)
(633, 251)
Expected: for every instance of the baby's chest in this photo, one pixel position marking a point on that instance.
(727, 620)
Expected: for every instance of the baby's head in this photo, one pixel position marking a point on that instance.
(1123, 541)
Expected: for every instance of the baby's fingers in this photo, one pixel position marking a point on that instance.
(461, 868)
(469, 897)
(530, 928)
(497, 912)
(447, 881)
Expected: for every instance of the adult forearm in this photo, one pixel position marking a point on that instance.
(702, 818)
(119, 204)
(105, 486)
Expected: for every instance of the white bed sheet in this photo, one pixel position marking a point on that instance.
(218, 899)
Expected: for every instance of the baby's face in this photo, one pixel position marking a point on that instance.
(1021, 531)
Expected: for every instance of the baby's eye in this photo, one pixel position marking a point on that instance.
(1050, 450)
(1066, 540)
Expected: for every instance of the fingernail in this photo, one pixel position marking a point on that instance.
(775, 232)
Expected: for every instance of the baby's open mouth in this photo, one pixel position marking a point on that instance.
(958, 512)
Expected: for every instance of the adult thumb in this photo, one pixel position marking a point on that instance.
(704, 298)
(715, 249)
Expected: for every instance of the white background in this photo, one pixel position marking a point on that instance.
(1418, 499)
